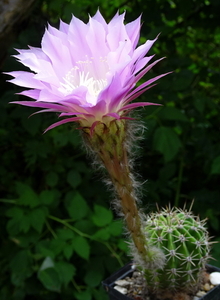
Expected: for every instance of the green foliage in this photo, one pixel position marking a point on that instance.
(215, 168)
(76, 206)
(102, 216)
(167, 142)
(58, 236)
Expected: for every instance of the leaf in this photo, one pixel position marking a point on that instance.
(20, 262)
(199, 102)
(27, 196)
(60, 139)
(74, 178)
(50, 279)
(83, 295)
(167, 171)
(102, 216)
(25, 223)
(115, 228)
(66, 271)
(44, 249)
(172, 113)
(37, 218)
(215, 169)
(15, 212)
(28, 239)
(81, 246)
(102, 234)
(68, 251)
(123, 245)
(213, 219)
(20, 266)
(47, 197)
(47, 263)
(20, 221)
(31, 124)
(167, 142)
(52, 179)
(94, 272)
(13, 227)
(76, 206)
(183, 80)
(93, 278)
(99, 294)
(57, 246)
(49, 276)
(65, 234)
(86, 226)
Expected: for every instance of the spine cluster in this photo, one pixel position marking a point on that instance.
(184, 240)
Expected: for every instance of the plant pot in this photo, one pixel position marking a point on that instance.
(127, 270)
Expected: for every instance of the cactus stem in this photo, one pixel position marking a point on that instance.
(109, 144)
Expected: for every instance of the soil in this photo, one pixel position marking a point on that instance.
(135, 288)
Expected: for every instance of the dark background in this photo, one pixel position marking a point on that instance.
(59, 238)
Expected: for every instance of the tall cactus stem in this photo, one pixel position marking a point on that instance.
(108, 142)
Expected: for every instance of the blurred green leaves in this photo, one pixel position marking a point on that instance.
(102, 216)
(53, 275)
(215, 169)
(167, 142)
(52, 251)
(81, 246)
(76, 206)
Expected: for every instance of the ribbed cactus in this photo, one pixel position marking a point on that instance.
(184, 240)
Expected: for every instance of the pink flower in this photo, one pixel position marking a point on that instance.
(87, 72)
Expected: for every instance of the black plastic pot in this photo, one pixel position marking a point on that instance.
(127, 270)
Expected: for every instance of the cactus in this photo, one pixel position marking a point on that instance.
(171, 246)
(184, 240)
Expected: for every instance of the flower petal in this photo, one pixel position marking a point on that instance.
(63, 122)
(137, 104)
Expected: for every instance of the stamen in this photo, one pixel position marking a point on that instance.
(84, 75)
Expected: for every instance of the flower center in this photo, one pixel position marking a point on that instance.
(85, 73)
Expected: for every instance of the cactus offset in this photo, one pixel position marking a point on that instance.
(184, 240)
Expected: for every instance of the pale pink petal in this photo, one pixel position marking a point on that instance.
(140, 64)
(130, 97)
(76, 33)
(39, 104)
(34, 94)
(150, 81)
(64, 27)
(142, 50)
(70, 120)
(96, 38)
(147, 69)
(133, 31)
(55, 49)
(137, 104)
(26, 79)
(116, 32)
(98, 17)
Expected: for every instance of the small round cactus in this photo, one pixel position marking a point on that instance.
(184, 241)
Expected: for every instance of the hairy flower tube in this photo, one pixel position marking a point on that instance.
(89, 73)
